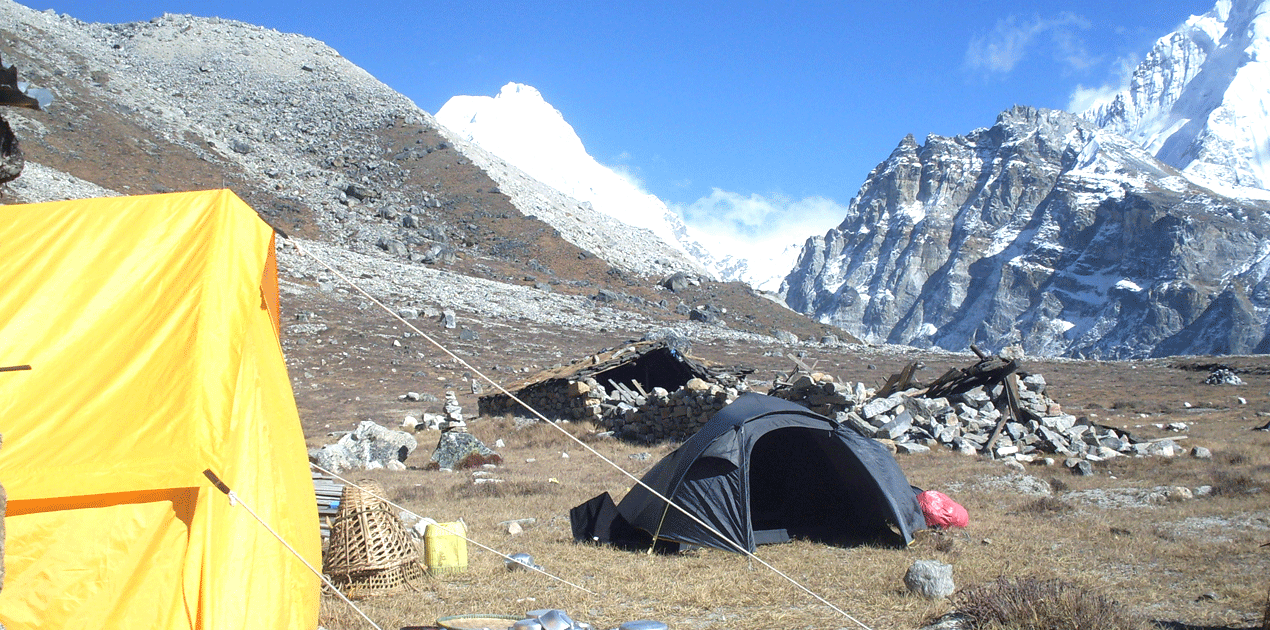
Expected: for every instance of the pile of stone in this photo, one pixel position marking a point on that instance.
(968, 423)
(662, 415)
(991, 409)
(820, 392)
(1223, 376)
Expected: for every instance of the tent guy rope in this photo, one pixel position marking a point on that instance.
(299, 248)
(234, 500)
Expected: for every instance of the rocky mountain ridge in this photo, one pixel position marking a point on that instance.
(335, 158)
(1046, 232)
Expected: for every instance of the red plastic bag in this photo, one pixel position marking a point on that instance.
(942, 511)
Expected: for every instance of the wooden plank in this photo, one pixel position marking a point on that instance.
(799, 362)
(1011, 411)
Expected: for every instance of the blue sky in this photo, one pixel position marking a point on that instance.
(763, 113)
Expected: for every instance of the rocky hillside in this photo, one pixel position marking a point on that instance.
(1046, 232)
(329, 154)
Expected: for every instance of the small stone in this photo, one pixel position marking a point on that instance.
(1178, 494)
(930, 579)
(514, 528)
(1200, 452)
(1079, 466)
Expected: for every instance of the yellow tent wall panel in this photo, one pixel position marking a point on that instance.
(151, 327)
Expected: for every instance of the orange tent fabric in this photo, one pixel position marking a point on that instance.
(151, 327)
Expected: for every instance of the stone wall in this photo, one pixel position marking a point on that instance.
(663, 415)
(557, 399)
(633, 415)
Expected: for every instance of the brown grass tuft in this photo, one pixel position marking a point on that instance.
(501, 490)
(1045, 505)
(1233, 483)
(1233, 458)
(417, 493)
(1032, 604)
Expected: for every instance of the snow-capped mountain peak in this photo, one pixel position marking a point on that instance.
(1200, 101)
(522, 128)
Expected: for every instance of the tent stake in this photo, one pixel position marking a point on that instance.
(657, 535)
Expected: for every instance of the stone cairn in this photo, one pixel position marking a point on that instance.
(1223, 376)
(456, 448)
(989, 408)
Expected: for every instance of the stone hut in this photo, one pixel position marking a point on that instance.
(592, 388)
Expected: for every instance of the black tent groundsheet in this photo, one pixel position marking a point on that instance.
(764, 470)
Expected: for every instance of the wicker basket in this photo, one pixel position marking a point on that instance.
(370, 551)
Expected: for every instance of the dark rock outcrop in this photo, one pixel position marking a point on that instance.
(1044, 232)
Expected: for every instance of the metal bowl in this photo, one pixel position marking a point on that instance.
(643, 624)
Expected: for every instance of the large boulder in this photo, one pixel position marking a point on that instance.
(457, 450)
(368, 447)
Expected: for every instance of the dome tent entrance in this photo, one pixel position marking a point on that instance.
(151, 327)
(763, 470)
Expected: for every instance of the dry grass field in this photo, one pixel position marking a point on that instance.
(1196, 563)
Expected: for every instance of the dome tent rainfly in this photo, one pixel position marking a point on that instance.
(762, 470)
(151, 327)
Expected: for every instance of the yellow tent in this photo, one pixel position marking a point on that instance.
(151, 328)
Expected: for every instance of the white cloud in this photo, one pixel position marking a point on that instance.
(1083, 98)
(630, 174)
(1013, 37)
(744, 224)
